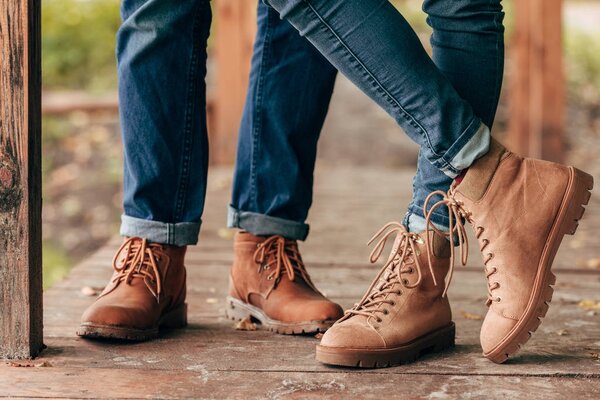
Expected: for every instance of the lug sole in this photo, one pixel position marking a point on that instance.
(436, 341)
(174, 319)
(571, 211)
(238, 310)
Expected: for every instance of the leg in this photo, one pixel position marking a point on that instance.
(468, 47)
(290, 87)
(397, 73)
(162, 63)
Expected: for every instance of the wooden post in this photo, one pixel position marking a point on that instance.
(536, 126)
(20, 179)
(236, 28)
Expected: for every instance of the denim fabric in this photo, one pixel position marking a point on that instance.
(161, 54)
(291, 85)
(468, 49)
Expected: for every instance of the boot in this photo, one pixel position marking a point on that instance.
(405, 312)
(146, 292)
(269, 284)
(520, 210)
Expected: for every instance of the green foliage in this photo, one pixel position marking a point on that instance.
(56, 264)
(582, 55)
(78, 44)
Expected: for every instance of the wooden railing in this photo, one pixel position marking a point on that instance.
(536, 129)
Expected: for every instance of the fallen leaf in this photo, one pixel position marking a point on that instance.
(29, 364)
(246, 325)
(562, 332)
(596, 355)
(319, 335)
(89, 291)
(593, 263)
(468, 315)
(589, 305)
(225, 233)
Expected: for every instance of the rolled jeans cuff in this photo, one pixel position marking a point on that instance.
(174, 234)
(265, 225)
(473, 144)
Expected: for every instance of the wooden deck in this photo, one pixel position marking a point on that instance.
(210, 359)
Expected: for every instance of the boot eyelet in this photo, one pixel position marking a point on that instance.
(393, 304)
(410, 270)
(385, 312)
(405, 281)
(498, 299)
(379, 320)
(270, 278)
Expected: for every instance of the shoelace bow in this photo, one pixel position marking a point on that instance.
(401, 261)
(284, 255)
(139, 261)
(457, 212)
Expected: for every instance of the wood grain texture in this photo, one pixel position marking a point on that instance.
(210, 359)
(235, 31)
(538, 85)
(20, 179)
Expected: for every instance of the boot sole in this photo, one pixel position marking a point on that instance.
(432, 342)
(571, 210)
(174, 319)
(237, 310)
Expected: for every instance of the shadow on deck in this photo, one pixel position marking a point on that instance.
(210, 359)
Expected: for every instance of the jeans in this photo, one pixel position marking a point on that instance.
(290, 88)
(161, 56)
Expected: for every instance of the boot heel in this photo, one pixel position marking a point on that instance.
(176, 318)
(235, 310)
(445, 339)
(582, 186)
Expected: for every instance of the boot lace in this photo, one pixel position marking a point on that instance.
(458, 213)
(280, 255)
(403, 260)
(139, 261)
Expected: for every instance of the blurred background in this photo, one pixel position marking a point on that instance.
(82, 158)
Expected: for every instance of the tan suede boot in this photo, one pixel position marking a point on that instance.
(520, 209)
(146, 292)
(269, 284)
(403, 314)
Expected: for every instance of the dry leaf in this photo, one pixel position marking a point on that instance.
(596, 355)
(89, 291)
(562, 332)
(225, 233)
(589, 305)
(319, 335)
(593, 263)
(468, 315)
(29, 364)
(246, 325)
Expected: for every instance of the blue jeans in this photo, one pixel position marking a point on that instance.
(161, 55)
(290, 88)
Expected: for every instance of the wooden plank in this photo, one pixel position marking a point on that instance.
(538, 86)
(200, 383)
(235, 31)
(20, 179)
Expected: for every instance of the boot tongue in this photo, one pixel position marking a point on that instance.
(479, 175)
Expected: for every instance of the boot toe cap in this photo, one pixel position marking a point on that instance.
(351, 334)
(494, 330)
(116, 316)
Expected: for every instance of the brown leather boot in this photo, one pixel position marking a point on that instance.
(405, 312)
(269, 284)
(146, 292)
(520, 209)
